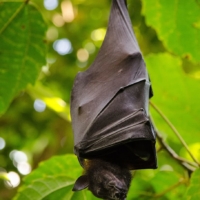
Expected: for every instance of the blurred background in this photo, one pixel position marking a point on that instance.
(37, 124)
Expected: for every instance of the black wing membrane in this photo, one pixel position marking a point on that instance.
(109, 101)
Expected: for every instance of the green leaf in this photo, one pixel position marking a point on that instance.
(23, 48)
(166, 162)
(168, 184)
(177, 24)
(41, 188)
(67, 165)
(176, 95)
(193, 192)
(154, 184)
(53, 179)
(141, 187)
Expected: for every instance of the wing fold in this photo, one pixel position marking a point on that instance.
(109, 101)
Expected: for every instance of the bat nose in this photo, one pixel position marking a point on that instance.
(120, 195)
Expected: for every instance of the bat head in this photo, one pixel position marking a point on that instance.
(105, 180)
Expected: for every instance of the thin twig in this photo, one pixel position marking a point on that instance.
(190, 166)
(175, 131)
(181, 181)
(158, 195)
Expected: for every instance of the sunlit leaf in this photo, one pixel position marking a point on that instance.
(22, 52)
(177, 25)
(41, 188)
(195, 149)
(53, 179)
(67, 165)
(175, 94)
(4, 176)
(55, 103)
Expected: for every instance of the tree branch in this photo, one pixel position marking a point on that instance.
(175, 131)
(189, 166)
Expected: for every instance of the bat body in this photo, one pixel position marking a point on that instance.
(109, 104)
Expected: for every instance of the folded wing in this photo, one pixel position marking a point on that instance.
(109, 104)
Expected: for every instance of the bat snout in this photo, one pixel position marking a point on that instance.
(120, 195)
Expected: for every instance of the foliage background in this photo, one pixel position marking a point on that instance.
(168, 32)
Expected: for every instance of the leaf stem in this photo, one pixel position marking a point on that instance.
(11, 18)
(175, 131)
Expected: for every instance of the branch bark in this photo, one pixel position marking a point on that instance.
(189, 166)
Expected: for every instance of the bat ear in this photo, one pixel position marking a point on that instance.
(81, 183)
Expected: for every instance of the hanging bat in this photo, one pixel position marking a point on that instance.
(109, 110)
(106, 180)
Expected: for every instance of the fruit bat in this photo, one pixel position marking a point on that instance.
(109, 109)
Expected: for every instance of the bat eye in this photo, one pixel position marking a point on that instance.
(111, 184)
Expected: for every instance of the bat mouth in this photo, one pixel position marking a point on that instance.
(120, 196)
